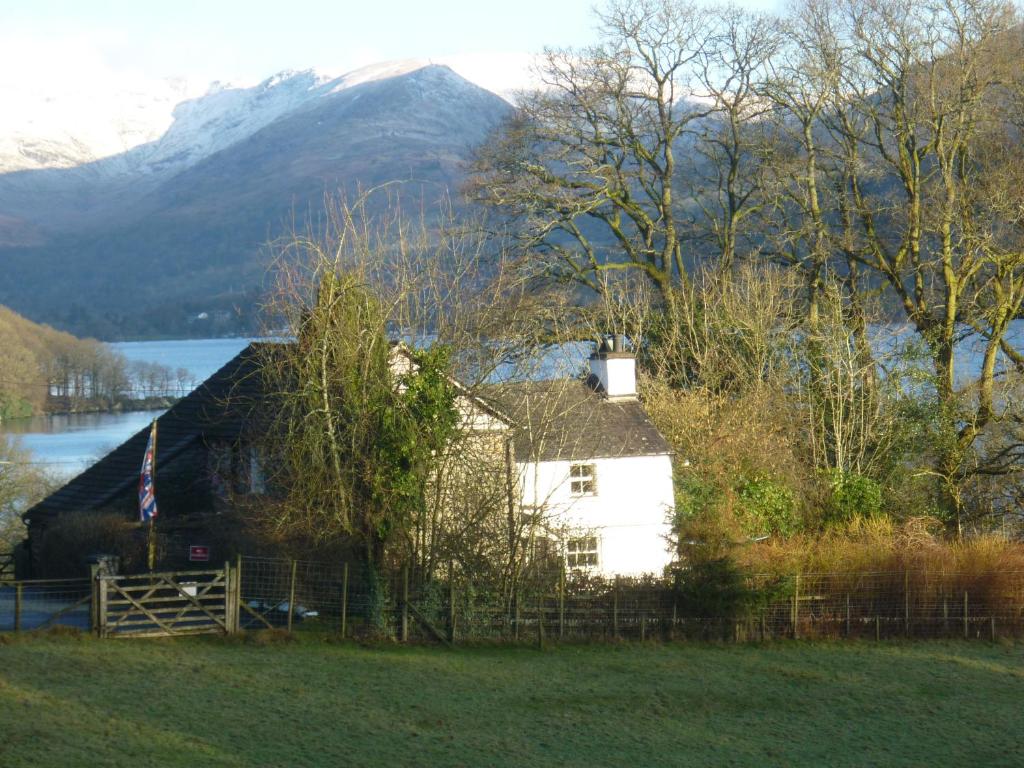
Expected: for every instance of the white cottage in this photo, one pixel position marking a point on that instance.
(594, 474)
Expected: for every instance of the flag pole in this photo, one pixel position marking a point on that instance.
(151, 535)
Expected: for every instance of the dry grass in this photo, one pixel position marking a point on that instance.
(881, 544)
(896, 558)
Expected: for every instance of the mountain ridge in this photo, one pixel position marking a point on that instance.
(192, 237)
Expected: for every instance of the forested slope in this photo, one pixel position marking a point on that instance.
(42, 368)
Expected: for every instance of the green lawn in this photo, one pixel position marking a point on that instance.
(208, 702)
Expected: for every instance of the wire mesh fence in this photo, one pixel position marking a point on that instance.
(345, 598)
(30, 605)
(910, 604)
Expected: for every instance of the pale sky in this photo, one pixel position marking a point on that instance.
(55, 45)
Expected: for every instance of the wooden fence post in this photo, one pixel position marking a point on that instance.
(17, 606)
(515, 616)
(796, 609)
(906, 603)
(992, 619)
(615, 610)
(847, 615)
(291, 597)
(561, 603)
(451, 602)
(344, 598)
(237, 583)
(228, 600)
(233, 596)
(965, 614)
(94, 602)
(405, 603)
(878, 628)
(540, 621)
(102, 610)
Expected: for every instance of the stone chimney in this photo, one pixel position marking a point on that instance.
(613, 369)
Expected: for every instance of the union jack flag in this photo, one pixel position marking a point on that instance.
(147, 489)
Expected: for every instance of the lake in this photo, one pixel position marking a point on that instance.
(66, 445)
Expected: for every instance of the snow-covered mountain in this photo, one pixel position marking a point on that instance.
(171, 201)
(66, 164)
(170, 126)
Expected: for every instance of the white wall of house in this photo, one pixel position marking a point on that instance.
(629, 510)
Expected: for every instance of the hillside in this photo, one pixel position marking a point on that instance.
(169, 238)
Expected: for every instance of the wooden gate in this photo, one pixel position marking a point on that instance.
(163, 604)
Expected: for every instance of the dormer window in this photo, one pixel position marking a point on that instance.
(582, 480)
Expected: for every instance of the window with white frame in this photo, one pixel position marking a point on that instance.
(582, 480)
(581, 552)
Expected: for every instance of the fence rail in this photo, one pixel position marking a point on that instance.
(7, 566)
(164, 604)
(29, 605)
(837, 605)
(259, 593)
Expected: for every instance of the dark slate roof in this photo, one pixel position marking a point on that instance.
(566, 420)
(219, 408)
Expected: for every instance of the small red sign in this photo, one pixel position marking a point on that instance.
(199, 553)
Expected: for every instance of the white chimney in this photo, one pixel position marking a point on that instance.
(613, 370)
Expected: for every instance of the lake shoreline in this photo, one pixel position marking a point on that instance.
(130, 405)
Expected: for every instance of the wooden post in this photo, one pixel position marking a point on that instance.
(291, 597)
(992, 619)
(643, 626)
(515, 617)
(561, 603)
(763, 633)
(151, 547)
(847, 615)
(233, 596)
(102, 613)
(796, 609)
(451, 602)
(965, 614)
(906, 603)
(540, 621)
(228, 623)
(615, 610)
(17, 606)
(344, 598)
(94, 603)
(945, 614)
(675, 620)
(405, 603)
(238, 592)
(878, 628)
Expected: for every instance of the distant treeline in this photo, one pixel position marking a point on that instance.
(45, 370)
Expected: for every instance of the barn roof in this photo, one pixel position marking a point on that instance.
(219, 408)
(567, 420)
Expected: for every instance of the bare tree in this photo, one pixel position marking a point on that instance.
(588, 165)
(733, 140)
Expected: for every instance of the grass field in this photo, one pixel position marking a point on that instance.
(67, 701)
